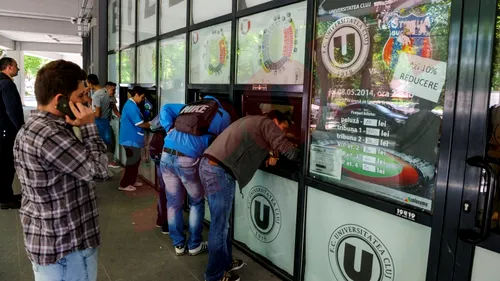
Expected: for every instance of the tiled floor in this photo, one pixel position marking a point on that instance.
(132, 247)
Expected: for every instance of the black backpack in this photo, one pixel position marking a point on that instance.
(195, 118)
(156, 145)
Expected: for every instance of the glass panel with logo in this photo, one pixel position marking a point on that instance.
(379, 83)
(113, 24)
(127, 65)
(203, 10)
(243, 4)
(146, 19)
(173, 70)
(271, 46)
(128, 22)
(210, 54)
(172, 15)
(146, 65)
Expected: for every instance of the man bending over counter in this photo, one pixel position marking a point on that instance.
(236, 155)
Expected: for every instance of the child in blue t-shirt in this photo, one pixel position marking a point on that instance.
(132, 127)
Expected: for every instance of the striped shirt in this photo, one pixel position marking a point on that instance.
(57, 171)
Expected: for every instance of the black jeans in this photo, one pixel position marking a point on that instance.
(132, 167)
(7, 170)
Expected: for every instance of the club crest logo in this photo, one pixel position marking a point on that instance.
(345, 47)
(245, 26)
(356, 254)
(409, 34)
(264, 215)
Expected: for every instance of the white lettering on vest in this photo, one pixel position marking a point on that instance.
(195, 108)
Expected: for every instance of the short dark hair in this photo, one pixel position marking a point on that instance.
(5, 62)
(109, 83)
(280, 116)
(57, 77)
(138, 90)
(92, 78)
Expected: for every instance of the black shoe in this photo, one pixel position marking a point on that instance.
(236, 264)
(10, 205)
(17, 197)
(164, 229)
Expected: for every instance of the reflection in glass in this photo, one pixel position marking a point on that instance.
(173, 15)
(113, 24)
(146, 19)
(210, 54)
(243, 4)
(128, 22)
(379, 78)
(173, 70)
(204, 10)
(271, 46)
(146, 65)
(127, 64)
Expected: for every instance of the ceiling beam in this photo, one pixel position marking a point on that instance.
(6, 43)
(38, 26)
(51, 47)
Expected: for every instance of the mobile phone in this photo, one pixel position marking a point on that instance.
(63, 106)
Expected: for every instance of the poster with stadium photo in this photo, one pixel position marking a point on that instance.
(379, 82)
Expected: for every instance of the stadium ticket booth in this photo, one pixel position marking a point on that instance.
(395, 109)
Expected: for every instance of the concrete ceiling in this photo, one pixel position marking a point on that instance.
(41, 21)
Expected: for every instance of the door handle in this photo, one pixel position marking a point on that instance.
(478, 234)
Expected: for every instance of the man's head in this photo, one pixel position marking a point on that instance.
(138, 94)
(56, 79)
(9, 66)
(280, 119)
(110, 88)
(92, 81)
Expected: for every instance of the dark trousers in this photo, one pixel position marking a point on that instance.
(132, 166)
(162, 217)
(7, 170)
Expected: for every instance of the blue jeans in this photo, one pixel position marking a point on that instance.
(180, 174)
(104, 129)
(219, 189)
(76, 266)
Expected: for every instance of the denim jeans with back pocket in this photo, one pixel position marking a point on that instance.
(76, 266)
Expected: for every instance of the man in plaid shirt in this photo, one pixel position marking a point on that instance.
(57, 172)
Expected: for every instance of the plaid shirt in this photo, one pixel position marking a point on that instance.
(57, 171)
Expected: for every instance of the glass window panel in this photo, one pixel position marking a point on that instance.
(210, 54)
(173, 15)
(127, 65)
(128, 22)
(147, 19)
(379, 78)
(271, 46)
(243, 4)
(113, 68)
(113, 24)
(203, 10)
(146, 65)
(173, 70)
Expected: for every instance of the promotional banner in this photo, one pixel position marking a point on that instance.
(210, 54)
(127, 29)
(265, 218)
(173, 15)
(113, 24)
(347, 241)
(146, 19)
(272, 46)
(380, 77)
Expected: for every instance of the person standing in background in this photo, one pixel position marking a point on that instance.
(132, 127)
(11, 121)
(111, 89)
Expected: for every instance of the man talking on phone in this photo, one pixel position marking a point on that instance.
(57, 172)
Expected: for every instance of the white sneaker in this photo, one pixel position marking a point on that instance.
(180, 250)
(113, 165)
(138, 184)
(128, 188)
(199, 250)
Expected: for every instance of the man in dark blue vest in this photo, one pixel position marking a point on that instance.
(11, 120)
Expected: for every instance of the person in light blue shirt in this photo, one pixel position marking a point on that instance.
(179, 168)
(131, 137)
